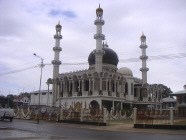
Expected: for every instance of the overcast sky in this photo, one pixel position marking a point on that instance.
(28, 26)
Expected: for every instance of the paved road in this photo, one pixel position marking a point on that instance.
(74, 132)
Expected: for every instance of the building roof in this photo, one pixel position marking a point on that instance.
(168, 99)
(179, 93)
(20, 97)
(41, 91)
(109, 57)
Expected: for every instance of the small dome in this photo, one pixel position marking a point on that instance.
(143, 36)
(125, 71)
(109, 57)
(99, 11)
(58, 26)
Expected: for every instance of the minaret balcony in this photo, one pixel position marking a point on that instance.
(99, 21)
(144, 57)
(57, 49)
(57, 36)
(56, 62)
(143, 46)
(99, 52)
(99, 36)
(144, 69)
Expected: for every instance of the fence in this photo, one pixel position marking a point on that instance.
(153, 117)
(83, 115)
(31, 113)
(73, 115)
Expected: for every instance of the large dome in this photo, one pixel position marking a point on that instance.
(109, 57)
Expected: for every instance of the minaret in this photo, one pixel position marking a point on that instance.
(144, 58)
(56, 62)
(99, 22)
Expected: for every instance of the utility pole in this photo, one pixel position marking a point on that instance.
(41, 66)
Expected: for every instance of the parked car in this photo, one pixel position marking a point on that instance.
(6, 113)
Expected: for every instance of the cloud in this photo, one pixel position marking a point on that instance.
(28, 27)
(57, 12)
(10, 38)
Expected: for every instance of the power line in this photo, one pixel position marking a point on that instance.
(19, 70)
(151, 58)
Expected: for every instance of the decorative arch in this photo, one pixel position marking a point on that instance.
(74, 77)
(85, 76)
(114, 76)
(95, 75)
(65, 78)
(105, 75)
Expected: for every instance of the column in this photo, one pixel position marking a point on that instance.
(114, 86)
(83, 85)
(135, 115)
(100, 104)
(66, 87)
(89, 85)
(104, 115)
(171, 116)
(113, 105)
(73, 86)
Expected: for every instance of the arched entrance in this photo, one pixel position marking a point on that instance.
(94, 105)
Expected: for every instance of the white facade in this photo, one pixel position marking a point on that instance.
(144, 58)
(181, 101)
(56, 62)
(169, 102)
(103, 84)
(46, 98)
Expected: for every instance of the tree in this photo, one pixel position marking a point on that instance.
(7, 101)
(2, 101)
(26, 94)
(10, 98)
(166, 91)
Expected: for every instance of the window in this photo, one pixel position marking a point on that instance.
(126, 88)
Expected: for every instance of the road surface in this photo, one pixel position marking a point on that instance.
(29, 129)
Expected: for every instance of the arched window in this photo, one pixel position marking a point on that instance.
(126, 88)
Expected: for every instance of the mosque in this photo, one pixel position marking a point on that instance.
(103, 84)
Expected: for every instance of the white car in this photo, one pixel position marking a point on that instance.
(6, 113)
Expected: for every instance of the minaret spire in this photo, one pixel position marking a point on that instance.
(99, 22)
(144, 58)
(56, 62)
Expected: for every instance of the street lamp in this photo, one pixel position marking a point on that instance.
(41, 66)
